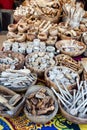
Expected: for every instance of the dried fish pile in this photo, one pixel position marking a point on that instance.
(62, 75)
(17, 79)
(40, 103)
(28, 47)
(74, 102)
(40, 61)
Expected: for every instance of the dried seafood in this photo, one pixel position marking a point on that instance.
(9, 59)
(65, 60)
(41, 104)
(28, 47)
(75, 103)
(17, 80)
(39, 62)
(59, 75)
(71, 47)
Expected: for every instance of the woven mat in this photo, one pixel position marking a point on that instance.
(22, 123)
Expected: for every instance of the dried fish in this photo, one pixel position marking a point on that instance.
(15, 79)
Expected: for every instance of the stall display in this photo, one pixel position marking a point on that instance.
(43, 44)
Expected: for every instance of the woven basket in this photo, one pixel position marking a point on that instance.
(19, 56)
(17, 109)
(64, 37)
(42, 119)
(39, 72)
(70, 117)
(65, 60)
(54, 19)
(51, 83)
(74, 53)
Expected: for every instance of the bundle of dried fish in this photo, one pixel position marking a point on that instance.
(9, 59)
(39, 62)
(71, 47)
(11, 103)
(61, 75)
(41, 104)
(17, 80)
(73, 104)
(65, 60)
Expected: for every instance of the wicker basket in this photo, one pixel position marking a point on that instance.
(17, 109)
(51, 83)
(19, 56)
(39, 72)
(42, 119)
(65, 60)
(54, 19)
(70, 117)
(73, 53)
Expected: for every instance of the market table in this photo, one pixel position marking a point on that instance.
(22, 123)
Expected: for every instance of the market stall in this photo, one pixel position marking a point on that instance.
(43, 67)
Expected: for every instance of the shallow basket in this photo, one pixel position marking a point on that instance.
(19, 56)
(17, 109)
(65, 60)
(54, 19)
(42, 119)
(74, 53)
(40, 73)
(52, 84)
(68, 116)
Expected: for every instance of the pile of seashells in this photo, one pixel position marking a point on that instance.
(40, 61)
(17, 79)
(60, 75)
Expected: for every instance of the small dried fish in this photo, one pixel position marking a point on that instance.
(17, 78)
